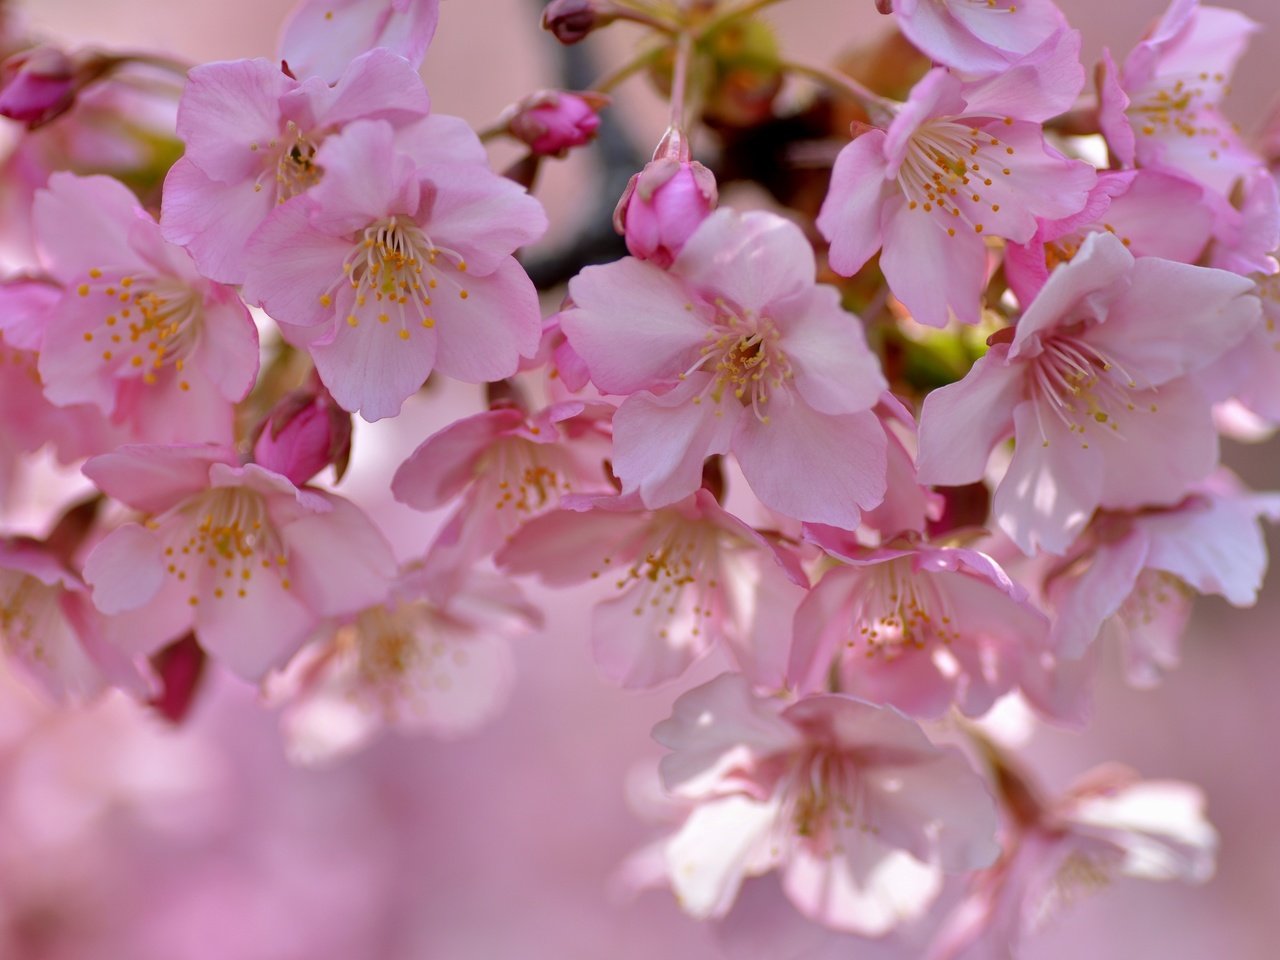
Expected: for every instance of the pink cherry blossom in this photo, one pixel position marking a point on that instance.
(408, 664)
(1136, 574)
(251, 135)
(1155, 215)
(399, 262)
(49, 627)
(735, 348)
(304, 434)
(686, 579)
(239, 554)
(1109, 823)
(137, 332)
(1250, 372)
(322, 37)
(1163, 109)
(662, 206)
(918, 627)
(853, 804)
(552, 122)
(503, 467)
(37, 85)
(960, 162)
(978, 38)
(1095, 388)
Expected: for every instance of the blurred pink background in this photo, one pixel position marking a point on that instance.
(502, 846)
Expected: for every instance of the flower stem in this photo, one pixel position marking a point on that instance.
(881, 109)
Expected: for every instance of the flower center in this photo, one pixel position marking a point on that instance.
(148, 323)
(1083, 387)
(395, 269)
(25, 607)
(743, 355)
(1184, 107)
(220, 540)
(528, 477)
(946, 169)
(897, 609)
(822, 798)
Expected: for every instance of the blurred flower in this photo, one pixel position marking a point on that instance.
(554, 121)
(305, 433)
(321, 37)
(37, 85)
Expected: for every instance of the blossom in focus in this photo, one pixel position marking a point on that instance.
(978, 38)
(239, 554)
(735, 348)
(137, 331)
(407, 663)
(322, 37)
(959, 163)
(851, 802)
(251, 135)
(1095, 387)
(917, 627)
(662, 207)
(399, 263)
(686, 579)
(1163, 110)
(303, 434)
(1110, 823)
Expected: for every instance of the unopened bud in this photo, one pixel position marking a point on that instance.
(306, 432)
(662, 206)
(885, 6)
(572, 20)
(553, 122)
(37, 85)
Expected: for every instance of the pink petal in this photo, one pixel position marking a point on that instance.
(225, 109)
(564, 547)
(440, 138)
(1083, 603)
(152, 478)
(753, 259)
(254, 632)
(125, 570)
(444, 464)
(83, 224)
(851, 213)
(639, 645)
(339, 560)
(228, 352)
(213, 220)
(937, 276)
(834, 370)
(719, 844)
(291, 266)
(378, 85)
(323, 36)
(962, 422)
(365, 179)
(479, 214)
(482, 338)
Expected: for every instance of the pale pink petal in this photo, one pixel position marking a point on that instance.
(365, 179)
(83, 224)
(1113, 121)
(962, 422)
(178, 408)
(126, 569)
(225, 109)
(638, 644)
(72, 368)
(1161, 215)
(445, 463)
(378, 85)
(254, 628)
(461, 685)
(1083, 603)
(292, 266)
(339, 560)
(152, 478)
(660, 442)
(228, 352)
(567, 546)
(1053, 483)
(480, 215)
(631, 325)
(1154, 619)
(440, 138)
(754, 258)
(323, 36)
(842, 458)
(937, 276)
(851, 213)
(824, 343)
(717, 846)
(1039, 85)
(482, 338)
(25, 308)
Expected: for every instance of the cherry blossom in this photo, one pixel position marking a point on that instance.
(322, 37)
(978, 38)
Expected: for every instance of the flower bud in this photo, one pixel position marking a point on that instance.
(885, 6)
(37, 85)
(662, 206)
(572, 20)
(305, 433)
(552, 122)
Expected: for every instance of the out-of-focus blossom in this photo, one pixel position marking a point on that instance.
(960, 162)
(505, 467)
(918, 627)
(662, 207)
(572, 20)
(735, 347)
(1164, 108)
(239, 554)
(410, 664)
(1109, 823)
(1095, 386)
(399, 263)
(853, 804)
(978, 38)
(1247, 232)
(1250, 373)
(1137, 573)
(37, 85)
(305, 433)
(137, 331)
(553, 122)
(322, 37)
(688, 578)
(251, 135)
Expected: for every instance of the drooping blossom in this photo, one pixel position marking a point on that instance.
(1095, 387)
(1109, 823)
(50, 629)
(1154, 214)
(407, 663)
(851, 802)
(239, 554)
(1135, 575)
(399, 263)
(137, 331)
(686, 579)
(919, 627)
(251, 135)
(735, 348)
(503, 467)
(978, 38)
(959, 163)
(1163, 110)
(321, 37)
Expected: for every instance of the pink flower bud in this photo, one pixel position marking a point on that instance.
(572, 20)
(305, 433)
(37, 85)
(662, 206)
(553, 122)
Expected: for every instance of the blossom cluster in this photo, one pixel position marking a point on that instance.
(894, 461)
